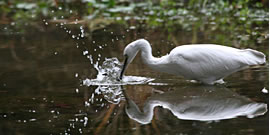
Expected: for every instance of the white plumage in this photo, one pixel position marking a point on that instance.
(207, 63)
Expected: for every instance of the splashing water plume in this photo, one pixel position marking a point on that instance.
(109, 72)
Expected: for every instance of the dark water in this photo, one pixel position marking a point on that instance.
(42, 90)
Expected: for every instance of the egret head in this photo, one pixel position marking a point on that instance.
(130, 52)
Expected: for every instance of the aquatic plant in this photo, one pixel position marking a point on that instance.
(245, 21)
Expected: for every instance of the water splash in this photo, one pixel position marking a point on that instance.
(109, 72)
(113, 94)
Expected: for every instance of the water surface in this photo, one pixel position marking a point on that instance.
(49, 84)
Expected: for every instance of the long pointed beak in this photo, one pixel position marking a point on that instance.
(123, 68)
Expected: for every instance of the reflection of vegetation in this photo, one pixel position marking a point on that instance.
(243, 22)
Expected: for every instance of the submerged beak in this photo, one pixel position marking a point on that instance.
(123, 68)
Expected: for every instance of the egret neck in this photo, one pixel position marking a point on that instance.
(143, 45)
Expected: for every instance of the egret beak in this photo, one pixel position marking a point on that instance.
(123, 68)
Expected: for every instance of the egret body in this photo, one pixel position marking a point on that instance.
(206, 63)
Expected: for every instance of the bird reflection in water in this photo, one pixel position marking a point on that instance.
(192, 102)
(202, 103)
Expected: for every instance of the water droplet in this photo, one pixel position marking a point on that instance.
(264, 90)
(60, 8)
(77, 90)
(85, 121)
(73, 36)
(80, 130)
(91, 59)
(86, 104)
(31, 120)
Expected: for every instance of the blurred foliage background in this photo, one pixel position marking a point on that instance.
(240, 23)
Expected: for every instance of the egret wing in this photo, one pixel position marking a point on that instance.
(212, 62)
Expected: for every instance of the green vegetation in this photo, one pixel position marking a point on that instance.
(244, 21)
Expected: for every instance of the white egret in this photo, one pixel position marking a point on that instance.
(207, 63)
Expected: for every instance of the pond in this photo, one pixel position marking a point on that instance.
(51, 83)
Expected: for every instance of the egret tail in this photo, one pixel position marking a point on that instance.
(253, 57)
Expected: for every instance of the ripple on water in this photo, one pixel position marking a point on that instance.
(109, 72)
